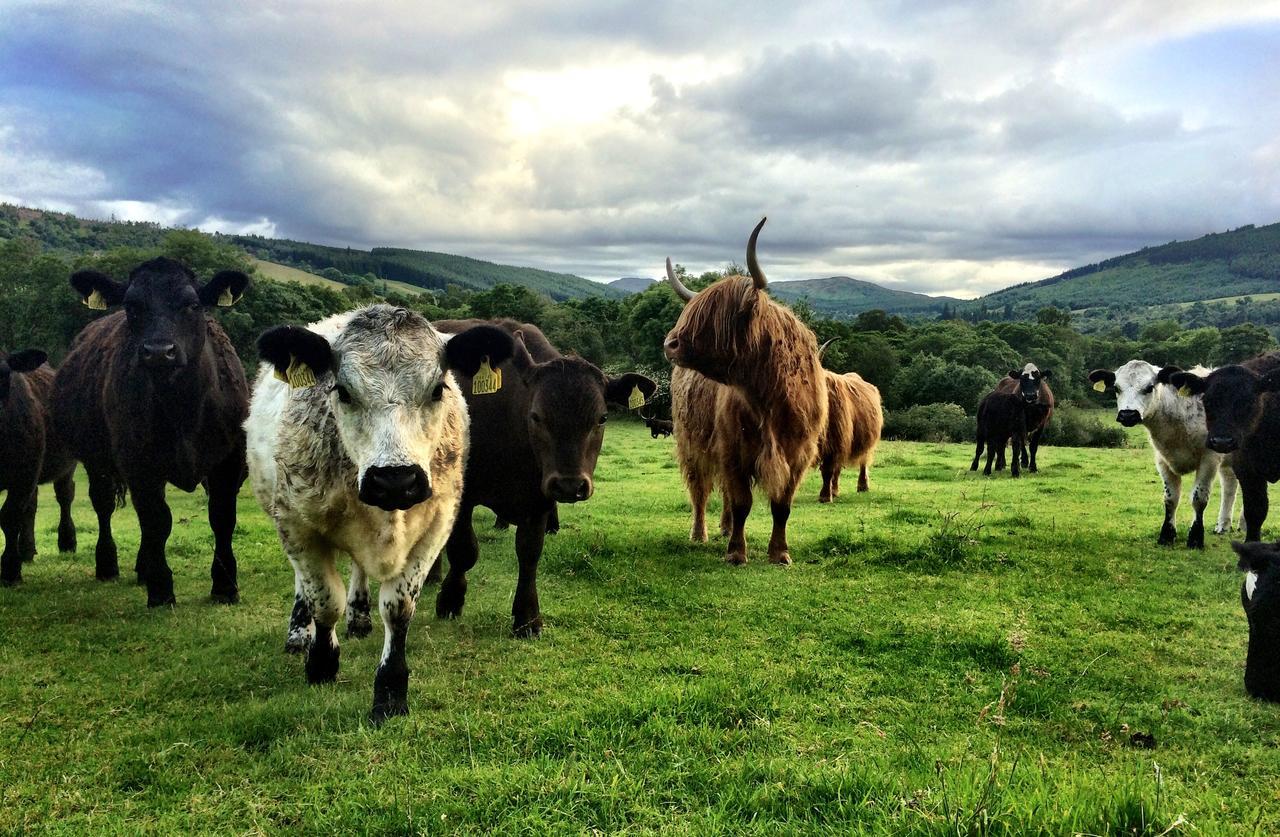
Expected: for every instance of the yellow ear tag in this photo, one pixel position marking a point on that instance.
(1184, 390)
(1100, 386)
(95, 301)
(298, 375)
(225, 299)
(487, 380)
(636, 401)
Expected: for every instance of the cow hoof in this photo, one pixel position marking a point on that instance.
(530, 629)
(229, 597)
(1195, 540)
(139, 580)
(449, 604)
(322, 665)
(28, 558)
(823, 499)
(698, 534)
(107, 575)
(162, 601)
(782, 559)
(11, 582)
(391, 709)
(736, 559)
(359, 625)
(1168, 536)
(862, 486)
(1033, 469)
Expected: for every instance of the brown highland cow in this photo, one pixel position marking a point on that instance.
(854, 422)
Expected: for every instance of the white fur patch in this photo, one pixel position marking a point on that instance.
(1250, 584)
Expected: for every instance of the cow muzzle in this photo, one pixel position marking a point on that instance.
(568, 489)
(160, 354)
(1222, 444)
(1129, 418)
(395, 487)
(671, 348)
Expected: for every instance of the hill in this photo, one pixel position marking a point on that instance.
(631, 284)
(844, 296)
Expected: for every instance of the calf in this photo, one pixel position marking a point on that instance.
(30, 454)
(1176, 428)
(535, 444)
(658, 427)
(1032, 385)
(1242, 420)
(361, 449)
(1002, 418)
(854, 422)
(151, 395)
(1260, 595)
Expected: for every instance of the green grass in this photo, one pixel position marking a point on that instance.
(949, 655)
(284, 273)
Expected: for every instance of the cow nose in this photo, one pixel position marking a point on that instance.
(568, 489)
(1128, 417)
(159, 353)
(394, 487)
(1221, 444)
(671, 347)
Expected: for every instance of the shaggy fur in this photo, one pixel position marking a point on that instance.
(854, 421)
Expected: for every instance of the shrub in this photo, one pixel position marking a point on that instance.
(1073, 427)
(930, 423)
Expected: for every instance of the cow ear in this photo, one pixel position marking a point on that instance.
(1255, 556)
(1269, 382)
(224, 289)
(467, 350)
(97, 290)
(299, 356)
(1187, 383)
(631, 390)
(1102, 379)
(27, 360)
(1166, 373)
(520, 357)
(1046, 374)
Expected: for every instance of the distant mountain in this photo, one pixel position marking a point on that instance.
(844, 296)
(631, 284)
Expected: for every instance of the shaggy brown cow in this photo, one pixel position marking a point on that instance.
(1032, 385)
(854, 422)
(151, 395)
(29, 455)
(748, 401)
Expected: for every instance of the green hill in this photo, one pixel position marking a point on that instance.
(843, 296)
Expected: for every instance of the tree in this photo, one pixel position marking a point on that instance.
(1051, 315)
(1241, 342)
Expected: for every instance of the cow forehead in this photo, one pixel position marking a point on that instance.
(388, 343)
(1030, 370)
(1136, 374)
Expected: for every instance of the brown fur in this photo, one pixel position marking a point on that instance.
(854, 422)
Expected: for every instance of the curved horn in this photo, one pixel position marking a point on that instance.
(681, 291)
(753, 267)
(823, 347)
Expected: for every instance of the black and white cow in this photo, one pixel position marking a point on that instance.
(361, 450)
(1176, 428)
(1260, 595)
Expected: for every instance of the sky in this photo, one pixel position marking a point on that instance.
(940, 147)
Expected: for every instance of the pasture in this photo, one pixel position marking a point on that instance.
(949, 654)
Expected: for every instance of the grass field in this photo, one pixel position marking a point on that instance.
(284, 273)
(949, 655)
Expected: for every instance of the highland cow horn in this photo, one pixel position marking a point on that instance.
(681, 291)
(753, 267)
(823, 348)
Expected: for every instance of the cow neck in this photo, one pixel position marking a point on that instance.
(782, 382)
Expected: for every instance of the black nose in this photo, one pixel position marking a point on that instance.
(568, 489)
(395, 487)
(159, 353)
(1128, 418)
(1031, 398)
(1222, 444)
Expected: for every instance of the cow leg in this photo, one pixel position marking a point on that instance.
(463, 551)
(738, 500)
(699, 491)
(1199, 500)
(397, 601)
(526, 616)
(977, 454)
(1227, 484)
(27, 542)
(991, 453)
(1016, 450)
(1172, 495)
(553, 520)
(779, 553)
(835, 481)
(863, 483)
(1030, 462)
(302, 627)
(726, 516)
(323, 593)
(1000, 460)
(827, 494)
(1255, 505)
(64, 489)
(13, 519)
(224, 484)
(102, 494)
(359, 620)
(156, 522)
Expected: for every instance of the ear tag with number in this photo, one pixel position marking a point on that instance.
(1100, 386)
(298, 375)
(95, 301)
(636, 400)
(487, 380)
(1184, 390)
(225, 299)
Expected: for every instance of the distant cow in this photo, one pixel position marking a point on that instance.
(659, 427)
(1176, 428)
(1032, 385)
(748, 401)
(854, 422)
(30, 454)
(1260, 595)
(1242, 419)
(361, 449)
(1002, 420)
(151, 395)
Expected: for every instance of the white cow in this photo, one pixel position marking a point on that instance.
(361, 450)
(1176, 427)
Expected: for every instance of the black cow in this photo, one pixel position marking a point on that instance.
(30, 455)
(1002, 418)
(659, 427)
(155, 394)
(1260, 595)
(1032, 385)
(534, 444)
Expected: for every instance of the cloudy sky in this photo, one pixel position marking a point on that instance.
(942, 147)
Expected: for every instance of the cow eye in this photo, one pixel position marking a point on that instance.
(343, 395)
(604, 418)
(438, 392)
(1147, 390)
(535, 418)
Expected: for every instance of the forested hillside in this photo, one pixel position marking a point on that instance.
(844, 296)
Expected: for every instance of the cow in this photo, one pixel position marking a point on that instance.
(1176, 428)
(659, 427)
(1002, 419)
(1260, 595)
(854, 422)
(748, 402)
(30, 454)
(535, 443)
(1242, 420)
(151, 395)
(358, 437)
(1032, 384)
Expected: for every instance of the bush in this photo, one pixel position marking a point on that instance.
(1073, 427)
(930, 423)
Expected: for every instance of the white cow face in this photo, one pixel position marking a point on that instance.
(390, 391)
(1135, 385)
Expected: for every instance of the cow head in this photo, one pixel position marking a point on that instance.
(1029, 380)
(568, 407)
(386, 380)
(27, 360)
(1135, 385)
(164, 306)
(1260, 595)
(714, 326)
(1233, 402)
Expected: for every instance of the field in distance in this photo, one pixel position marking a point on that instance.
(950, 654)
(284, 273)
